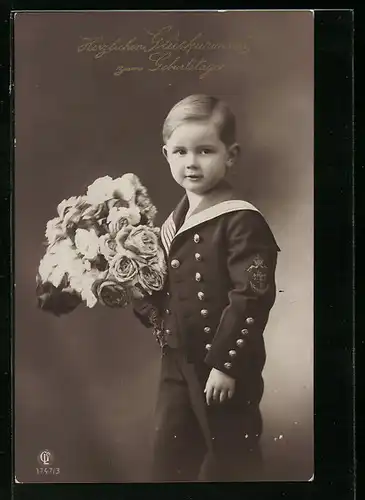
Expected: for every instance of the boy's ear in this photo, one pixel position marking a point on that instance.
(164, 151)
(233, 153)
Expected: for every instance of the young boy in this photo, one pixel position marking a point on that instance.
(214, 307)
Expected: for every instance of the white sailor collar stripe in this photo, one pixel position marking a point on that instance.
(215, 211)
(167, 233)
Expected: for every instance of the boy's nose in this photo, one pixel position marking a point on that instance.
(191, 166)
(191, 161)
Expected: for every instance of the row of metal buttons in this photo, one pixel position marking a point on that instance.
(240, 342)
(198, 278)
(175, 264)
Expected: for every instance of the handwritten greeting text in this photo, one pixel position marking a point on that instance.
(164, 50)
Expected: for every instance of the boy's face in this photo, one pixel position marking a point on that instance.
(197, 157)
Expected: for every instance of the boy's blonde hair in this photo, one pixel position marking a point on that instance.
(202, 107)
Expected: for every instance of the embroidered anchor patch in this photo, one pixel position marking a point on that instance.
(258, 275)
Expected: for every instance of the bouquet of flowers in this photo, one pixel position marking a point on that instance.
(102, 248)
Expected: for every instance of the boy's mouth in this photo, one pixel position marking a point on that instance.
(193, 176)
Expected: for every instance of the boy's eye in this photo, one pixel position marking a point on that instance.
(206, 151)
(180, 151)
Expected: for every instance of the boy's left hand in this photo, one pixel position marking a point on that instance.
(219, 387)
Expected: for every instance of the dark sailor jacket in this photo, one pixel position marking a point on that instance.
(220, 286)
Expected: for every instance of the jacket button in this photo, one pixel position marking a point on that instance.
(207, 329)
(196, 238)
(250, 321)
(201, 295)
(167, 332)
(204, 313)
(175, 263)
(198, 277)
(227, 366)
(240, 342)
(232, 353)
(208, 347)
(167, 311)
(198, 257)
(244, 331)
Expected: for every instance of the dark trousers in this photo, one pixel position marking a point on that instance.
(197, 442)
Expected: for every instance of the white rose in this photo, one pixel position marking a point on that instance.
(121, 216)
(133, 179)
(50, 271)
(71, 203)
(108, 246)
(134, 215)
(125, 187)
(100, 190)
(54, 229)
(60, 258)
(87, 243)
(83, 284)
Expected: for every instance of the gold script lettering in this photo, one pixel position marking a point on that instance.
(100, 48)
(166, 39)
(165, 50)
(126, 69)
(162, 62)
(160, 43)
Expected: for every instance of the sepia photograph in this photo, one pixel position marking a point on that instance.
(163, 246)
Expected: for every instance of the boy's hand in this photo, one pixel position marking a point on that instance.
(219, 387)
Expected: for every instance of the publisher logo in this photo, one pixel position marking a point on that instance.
(45, 457)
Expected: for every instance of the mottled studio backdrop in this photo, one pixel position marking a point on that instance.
(85, 384)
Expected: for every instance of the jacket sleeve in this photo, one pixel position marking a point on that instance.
(148, 309)
(251, 259)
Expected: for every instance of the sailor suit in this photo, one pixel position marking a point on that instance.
(213, 309)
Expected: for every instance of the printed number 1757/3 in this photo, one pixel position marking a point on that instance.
(42, 471)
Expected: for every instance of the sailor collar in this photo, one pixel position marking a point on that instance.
(210, 213)
(169, 230)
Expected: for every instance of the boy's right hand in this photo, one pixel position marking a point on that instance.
(219, 387)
